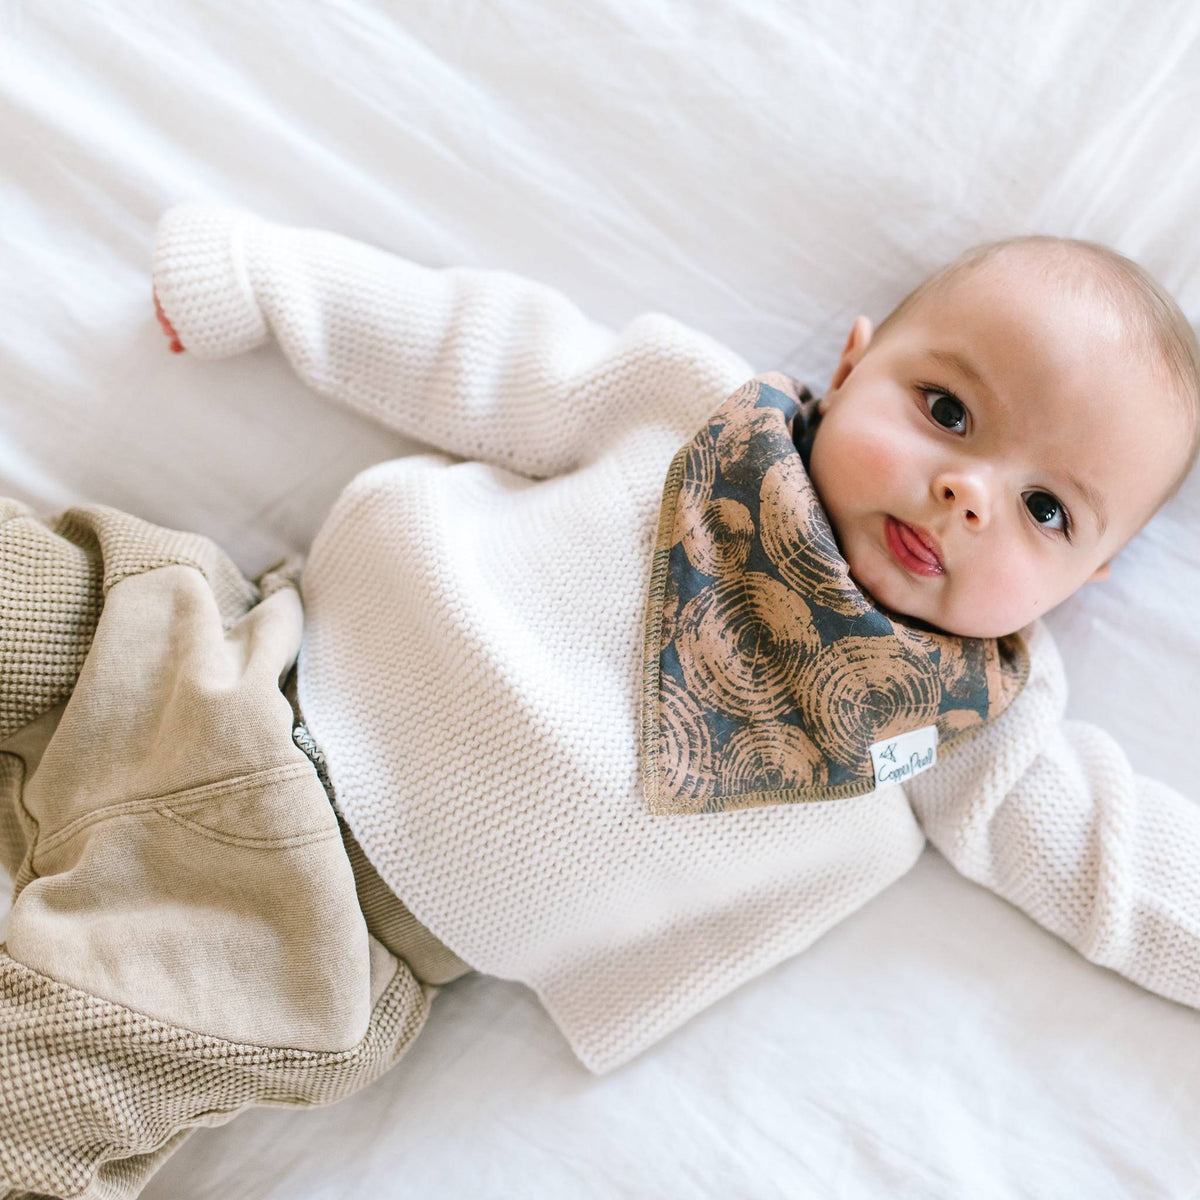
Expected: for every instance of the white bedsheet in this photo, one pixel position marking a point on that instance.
(764, 172)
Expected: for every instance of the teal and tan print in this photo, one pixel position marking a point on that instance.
(768, 673)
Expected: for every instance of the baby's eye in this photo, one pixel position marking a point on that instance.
(946, 409)
(1046, 510)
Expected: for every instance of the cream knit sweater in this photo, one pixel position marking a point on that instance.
(472, 663)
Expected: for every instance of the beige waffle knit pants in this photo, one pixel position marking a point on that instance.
(186, 938)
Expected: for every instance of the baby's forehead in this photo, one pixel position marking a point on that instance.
(1107, 299)
(1045, 316)
(1070, 262)
(1046, 276)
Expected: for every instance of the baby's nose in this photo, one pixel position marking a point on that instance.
(965, 493)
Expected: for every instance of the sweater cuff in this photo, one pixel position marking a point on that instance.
(201, 279)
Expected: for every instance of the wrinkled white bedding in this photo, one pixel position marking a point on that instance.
(763, 172)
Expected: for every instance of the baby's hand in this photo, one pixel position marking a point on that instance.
(167, 327)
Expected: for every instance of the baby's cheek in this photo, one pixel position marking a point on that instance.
(883, 460)
(998, 597)
(860, 467)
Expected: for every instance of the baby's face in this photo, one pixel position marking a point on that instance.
(977, 500)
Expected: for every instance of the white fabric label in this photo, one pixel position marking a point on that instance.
(899, 758)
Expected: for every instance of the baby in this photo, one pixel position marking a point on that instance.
(1058, 395)
(637, 683)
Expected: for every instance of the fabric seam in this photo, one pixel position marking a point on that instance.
(184, 798)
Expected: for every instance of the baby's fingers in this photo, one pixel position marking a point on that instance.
(167, 327)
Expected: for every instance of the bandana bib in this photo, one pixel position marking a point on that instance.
(769, 677)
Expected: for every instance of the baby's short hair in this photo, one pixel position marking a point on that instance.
(1154, 321)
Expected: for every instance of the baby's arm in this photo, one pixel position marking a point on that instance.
(480, 364)
(1049, 814)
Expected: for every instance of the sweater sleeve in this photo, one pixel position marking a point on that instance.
(1049, 814)
(477, 363)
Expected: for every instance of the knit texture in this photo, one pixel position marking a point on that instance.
(203, 286)
(46, 642)
(93, 1095)
(472, 665)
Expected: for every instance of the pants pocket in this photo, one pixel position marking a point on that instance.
(229, 910)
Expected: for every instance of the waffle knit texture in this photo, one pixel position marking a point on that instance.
(95, 1097)
(471, 665)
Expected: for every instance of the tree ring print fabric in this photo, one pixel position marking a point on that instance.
(768, 673)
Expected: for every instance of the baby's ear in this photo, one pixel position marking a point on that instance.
(855, 348)
(1100, 573)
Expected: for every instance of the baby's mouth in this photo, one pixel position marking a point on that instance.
(916, 550)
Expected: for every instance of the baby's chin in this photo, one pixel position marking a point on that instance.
(938, 624)
(963, 628)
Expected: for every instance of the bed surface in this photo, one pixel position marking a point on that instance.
(763, 173)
